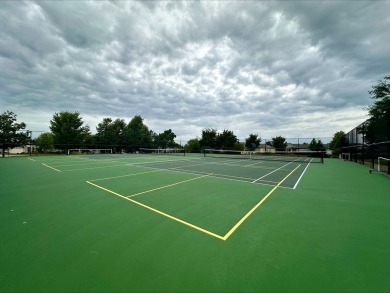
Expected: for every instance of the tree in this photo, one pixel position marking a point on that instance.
(377, 128)
(380, 93)
(45, 141)
(279, 143)
(252, 142)
(239, 146)
(338, 141)
(137, 134)
(68, 130)
(313, 145)
(193, 146)
(316, 145)
(110, 133)
(226, 140)
(11, 134)
(320, 146)
(209, 138)
(165, 139)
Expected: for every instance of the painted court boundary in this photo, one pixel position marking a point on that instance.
(224, 238)
(182, 169)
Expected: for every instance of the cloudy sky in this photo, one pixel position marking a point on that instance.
(289, 68)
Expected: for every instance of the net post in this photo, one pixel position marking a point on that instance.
(379, 164)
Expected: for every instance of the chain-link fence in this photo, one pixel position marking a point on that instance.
(369, 142)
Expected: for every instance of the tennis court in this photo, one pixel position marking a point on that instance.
(173, 223)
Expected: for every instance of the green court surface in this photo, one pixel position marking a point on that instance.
(144, 223)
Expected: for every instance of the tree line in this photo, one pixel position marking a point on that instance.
(69, 131)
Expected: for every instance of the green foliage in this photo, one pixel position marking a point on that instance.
(137, 134)
(338, 141)
(252, 142)
(45, 141)
(239, 146)
(380, 93)
(316, 145)
(377, 129)
(209, 138)
(193, 146)
(10, 131)
(279, 143)
(165, 139)
(68, 130)
(110, 133)
(378, 126)
(226, 140)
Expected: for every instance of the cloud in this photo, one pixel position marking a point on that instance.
(272, 68)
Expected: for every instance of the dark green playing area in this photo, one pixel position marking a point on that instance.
(160, 223)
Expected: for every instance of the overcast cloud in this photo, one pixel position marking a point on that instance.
(290, 68)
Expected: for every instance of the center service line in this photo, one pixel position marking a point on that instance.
(270, 173)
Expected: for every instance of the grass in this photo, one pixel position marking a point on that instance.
(61, 234)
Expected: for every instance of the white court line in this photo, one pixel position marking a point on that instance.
(51, 167)
(300, 177)
(271, 172)
(166, 186)
(97, 167)
(213, 175)
(86, 163)
(157, 162)
(254, 164)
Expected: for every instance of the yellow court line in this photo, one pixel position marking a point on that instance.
(165, 186)
(228, 234)
(51, 167)
(159, 212)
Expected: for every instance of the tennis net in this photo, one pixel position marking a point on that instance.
(302, 156)
(168, 151)
(89, 151)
